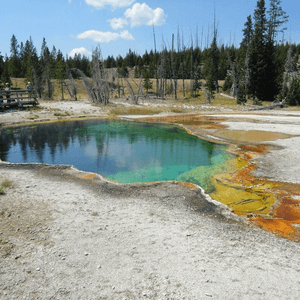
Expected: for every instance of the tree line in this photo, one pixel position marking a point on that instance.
(264, 67)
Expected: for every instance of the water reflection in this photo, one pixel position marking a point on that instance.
(123, 151)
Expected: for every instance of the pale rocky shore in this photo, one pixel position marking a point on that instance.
(66, 234)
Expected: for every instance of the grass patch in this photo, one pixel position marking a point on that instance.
(32, 108)
(33, 117)
(177, 110)
(5, 184)
(66, 114)
(135, 111)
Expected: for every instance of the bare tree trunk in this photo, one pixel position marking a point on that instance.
(139, 93)
(118, 82)
(38, 83)
(47, 79)
(173, 72)
(156, 68)
(72, 90)
(61, 82)
(98, 87)
(202, 37)
(162, 73)
(192, 67)
(183, 69)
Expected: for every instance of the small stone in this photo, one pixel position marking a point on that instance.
(86, 254)
(38, 269)
(208, 295)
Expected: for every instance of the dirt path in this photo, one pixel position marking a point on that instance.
(65, 234)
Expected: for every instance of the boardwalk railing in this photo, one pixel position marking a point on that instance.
(18, 98)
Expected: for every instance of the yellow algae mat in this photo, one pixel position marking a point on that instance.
(273, 206)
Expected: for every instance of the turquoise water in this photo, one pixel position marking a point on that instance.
(122, 151)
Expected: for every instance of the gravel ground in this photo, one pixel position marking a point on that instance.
(70, 238)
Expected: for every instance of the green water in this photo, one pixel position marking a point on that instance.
(123, 151)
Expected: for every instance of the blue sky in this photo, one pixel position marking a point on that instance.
(117, 25)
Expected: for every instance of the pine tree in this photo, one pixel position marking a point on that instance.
(278, 17)
(197, 83)
(212, 66)
(60, 71)
(14, 62)
(263, 60)
(21, 55)
(45, 70)
(147, 83)
(5, 78)
(258, 52)
(247, 33)
(29, 60)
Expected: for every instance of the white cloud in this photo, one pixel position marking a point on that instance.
(80, 50)
(105, 37)
(113, 3)
(117, 23)
(142, 14)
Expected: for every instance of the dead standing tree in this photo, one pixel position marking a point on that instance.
(135, 95)
(100, 78)
(38, 83)
(183, 65)
(173, 71)
(47, 77)
(163, 75)
(98, 86)
(42, 84)
(289, 73)
(71, 86)
(156, 65)
(192, 81)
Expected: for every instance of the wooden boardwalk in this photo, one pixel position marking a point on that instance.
(19, 98)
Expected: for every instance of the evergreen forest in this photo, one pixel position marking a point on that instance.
(264, 67)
